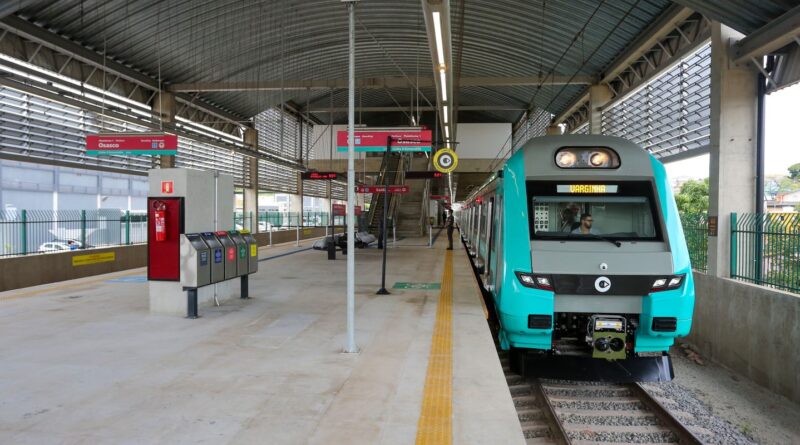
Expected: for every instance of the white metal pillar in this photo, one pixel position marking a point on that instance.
(733, 155)
(351, 186)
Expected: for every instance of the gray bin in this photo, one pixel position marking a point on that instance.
(195, 261)
(242, 254)
(252, 251)
(217, 256)
(230, 254)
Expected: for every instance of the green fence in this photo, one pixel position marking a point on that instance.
(24, 232)
(765, 249)
(695, 229)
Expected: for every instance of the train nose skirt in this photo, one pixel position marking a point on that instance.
(529, 363)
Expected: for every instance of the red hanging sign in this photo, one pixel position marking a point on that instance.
(131, 144)
(381, 189)
(357, 209)
(339, 210)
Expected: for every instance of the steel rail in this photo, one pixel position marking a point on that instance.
(557, 431)
(685, 436)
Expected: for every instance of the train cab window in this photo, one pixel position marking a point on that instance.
(623, 211)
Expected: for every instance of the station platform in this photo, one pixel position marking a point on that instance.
(85, 361)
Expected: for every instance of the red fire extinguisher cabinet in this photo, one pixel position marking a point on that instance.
(165, 224)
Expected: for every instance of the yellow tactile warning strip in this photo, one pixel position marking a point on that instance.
(435, 424)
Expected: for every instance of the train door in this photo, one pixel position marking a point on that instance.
(478, 231)
(498, 242)
(489, 239)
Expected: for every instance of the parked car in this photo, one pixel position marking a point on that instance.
(54, 247)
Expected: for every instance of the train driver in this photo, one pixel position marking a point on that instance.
(586, 225)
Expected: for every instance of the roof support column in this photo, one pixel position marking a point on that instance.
(296, 204)
(250, 176)
(599, 96)
(164, 107)
(734, 111)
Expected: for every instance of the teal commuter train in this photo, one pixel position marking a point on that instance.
(578, 244)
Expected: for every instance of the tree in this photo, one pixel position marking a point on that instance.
(692, 199)
(794, 171)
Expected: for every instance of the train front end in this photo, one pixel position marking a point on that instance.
(595, 262)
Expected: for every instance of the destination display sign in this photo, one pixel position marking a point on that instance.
(318, 175)
(382, 189)
(587, 188)
(131, 144)
(424, 175)
(377, 140)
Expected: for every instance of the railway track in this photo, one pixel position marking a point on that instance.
(581, 413)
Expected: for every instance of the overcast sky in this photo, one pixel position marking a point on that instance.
(782, 138)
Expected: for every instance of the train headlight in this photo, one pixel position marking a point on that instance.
(599, 159)
(587, 157)
(566, 159)
(535, 281)
(667, 283)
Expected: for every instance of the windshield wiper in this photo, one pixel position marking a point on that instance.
(600, 237)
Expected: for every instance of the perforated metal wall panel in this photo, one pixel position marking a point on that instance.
(40, 128)
(315, 188)
(203, 156)
(582, 129)
(338, 191)
(276, 178)
(534, 126)
(671, 114)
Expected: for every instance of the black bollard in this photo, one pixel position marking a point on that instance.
(191, 303)
(245, 287)
(331, 245)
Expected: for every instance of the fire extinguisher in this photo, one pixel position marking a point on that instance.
(160, 220)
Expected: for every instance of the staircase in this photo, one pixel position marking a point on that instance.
(389, 175)
(410, 211)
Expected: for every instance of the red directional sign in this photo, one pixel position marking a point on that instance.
(377, 140)
(131, 144)
(357, 209)
(339, 210)
(380, 189)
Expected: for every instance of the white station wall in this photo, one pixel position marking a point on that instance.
(483, 141)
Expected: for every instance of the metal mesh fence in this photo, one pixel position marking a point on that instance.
(695, 230)
(765, 249)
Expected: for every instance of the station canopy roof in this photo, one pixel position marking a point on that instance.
(218, 47)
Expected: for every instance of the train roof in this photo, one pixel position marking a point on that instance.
(539, 159)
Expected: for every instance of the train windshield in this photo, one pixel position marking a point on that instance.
(622, 211)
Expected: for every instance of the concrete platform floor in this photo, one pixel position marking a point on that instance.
(85, 362)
